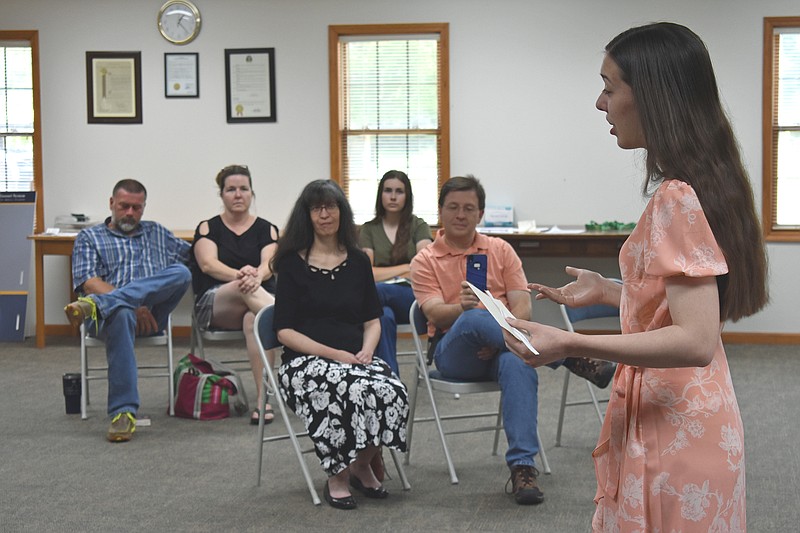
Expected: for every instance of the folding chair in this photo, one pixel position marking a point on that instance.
(571, 316)
(199, 335)
(267, 340)
(434, 381)
(214, 335)
(408, 356)
(87, 341)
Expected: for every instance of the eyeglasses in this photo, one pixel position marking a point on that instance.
(330, 208)
(455, 208)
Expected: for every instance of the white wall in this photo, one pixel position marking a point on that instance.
(524, 78)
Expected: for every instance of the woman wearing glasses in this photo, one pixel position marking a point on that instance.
(391, 240)
(327, 318)
(231, 274)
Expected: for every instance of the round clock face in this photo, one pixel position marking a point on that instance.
(179, 21)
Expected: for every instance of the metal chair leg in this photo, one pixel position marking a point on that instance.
(412, 403)
(562, 408)
(400, 470)
(542, 454)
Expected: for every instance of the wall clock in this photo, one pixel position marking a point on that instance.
(179, 21)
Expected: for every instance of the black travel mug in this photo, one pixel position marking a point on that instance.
(72, 393)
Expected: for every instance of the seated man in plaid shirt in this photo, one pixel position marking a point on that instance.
(131, 274)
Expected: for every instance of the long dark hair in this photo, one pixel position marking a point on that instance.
(689, 138)
(299, 231)
(399, 253)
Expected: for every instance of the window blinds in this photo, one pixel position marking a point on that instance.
(786, 120)
(16, 118)
(391, 121)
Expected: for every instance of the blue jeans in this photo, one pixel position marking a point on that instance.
(396, 299)
(456, 358)
(117, 315)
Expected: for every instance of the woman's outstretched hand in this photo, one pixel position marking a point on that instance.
(587, 289)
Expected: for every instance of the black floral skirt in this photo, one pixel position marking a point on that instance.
(345, 407)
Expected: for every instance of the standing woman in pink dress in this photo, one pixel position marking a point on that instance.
(670, 456)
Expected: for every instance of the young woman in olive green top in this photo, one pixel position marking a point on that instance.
(390, 240)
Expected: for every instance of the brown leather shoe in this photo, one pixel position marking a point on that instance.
(523, 485)
(595, 371)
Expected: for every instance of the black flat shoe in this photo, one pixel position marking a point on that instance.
(380, 493)
(346, 503)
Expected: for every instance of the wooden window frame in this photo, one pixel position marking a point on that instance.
(32, 37)
(335, 32)
(772, 232)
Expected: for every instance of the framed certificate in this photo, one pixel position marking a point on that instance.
(114, 87)
(250, 85)
(181, 75)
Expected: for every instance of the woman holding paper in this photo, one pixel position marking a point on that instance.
(670, 455)
(391, 240)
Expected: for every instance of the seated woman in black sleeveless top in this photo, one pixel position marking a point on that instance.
(231, 274)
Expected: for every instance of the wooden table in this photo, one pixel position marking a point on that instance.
(61, 245)
(585, 244)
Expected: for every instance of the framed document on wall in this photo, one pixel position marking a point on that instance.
(114, 87)
(181, 75)
(250, 85)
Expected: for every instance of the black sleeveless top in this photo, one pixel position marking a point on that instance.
(233, 250)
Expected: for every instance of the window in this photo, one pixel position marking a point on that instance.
(389, 111)
(781, 131)
(20, 153)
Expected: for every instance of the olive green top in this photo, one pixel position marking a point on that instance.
(372, 236)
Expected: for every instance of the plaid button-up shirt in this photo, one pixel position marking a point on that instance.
(118, 259)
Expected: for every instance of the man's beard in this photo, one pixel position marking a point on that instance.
(126, 225)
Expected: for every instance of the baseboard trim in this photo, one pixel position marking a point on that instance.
(65, 330)
(735, 337)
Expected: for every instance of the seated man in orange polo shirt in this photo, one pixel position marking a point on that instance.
(473, 347)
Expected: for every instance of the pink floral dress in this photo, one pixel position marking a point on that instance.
(670, 456)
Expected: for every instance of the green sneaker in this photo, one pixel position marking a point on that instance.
(81, 309)
(122, 427)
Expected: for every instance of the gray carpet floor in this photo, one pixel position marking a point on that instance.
(57, 472)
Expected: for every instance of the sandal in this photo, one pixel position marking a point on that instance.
(269, 416)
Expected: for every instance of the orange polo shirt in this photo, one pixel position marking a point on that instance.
(438, 270)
